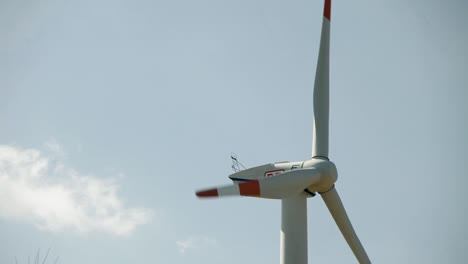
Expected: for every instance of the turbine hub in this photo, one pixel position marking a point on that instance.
(328, 174)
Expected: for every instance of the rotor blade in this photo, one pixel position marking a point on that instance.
(333, 202)
(275, 187)
(321, 89)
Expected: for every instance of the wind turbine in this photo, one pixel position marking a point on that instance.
(294, 182)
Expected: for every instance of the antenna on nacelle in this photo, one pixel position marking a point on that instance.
(236, 165)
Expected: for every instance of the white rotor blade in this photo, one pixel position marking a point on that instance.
(321, 89)
(276, 187)
(333, 202)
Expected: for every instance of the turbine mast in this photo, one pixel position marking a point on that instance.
(321, 90)
(293, 247)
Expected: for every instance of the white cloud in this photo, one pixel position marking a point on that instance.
(53, 146)
(40, 189)
(195, 242)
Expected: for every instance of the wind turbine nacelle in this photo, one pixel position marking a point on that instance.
(265, 171)
(327, 169)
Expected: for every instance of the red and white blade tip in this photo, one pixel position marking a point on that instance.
(250, 188)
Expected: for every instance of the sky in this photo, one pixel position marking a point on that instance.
(114, 112)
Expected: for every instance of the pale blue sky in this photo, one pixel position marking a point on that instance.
(155, 95)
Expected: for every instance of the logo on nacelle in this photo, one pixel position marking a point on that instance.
(272, 173)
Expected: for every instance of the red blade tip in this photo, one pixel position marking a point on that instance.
(327, 9)
(208, 193)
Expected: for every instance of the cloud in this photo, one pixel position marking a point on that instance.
(53, 146)
(40, 189)
(195, 242)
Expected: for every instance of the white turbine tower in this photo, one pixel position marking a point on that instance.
(294, 182)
